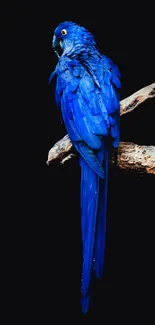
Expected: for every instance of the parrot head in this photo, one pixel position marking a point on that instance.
(70, 38)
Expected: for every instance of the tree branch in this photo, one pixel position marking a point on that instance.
(130, 103)
(131, 157)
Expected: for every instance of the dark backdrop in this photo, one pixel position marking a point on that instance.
(43, 242)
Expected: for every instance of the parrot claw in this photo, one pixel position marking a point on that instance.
(67, 158)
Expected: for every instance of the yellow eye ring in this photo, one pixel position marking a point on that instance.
(63, 32)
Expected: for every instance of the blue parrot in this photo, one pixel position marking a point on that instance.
(86, 92)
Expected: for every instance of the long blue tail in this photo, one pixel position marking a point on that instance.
(93, 223)
(100, 236)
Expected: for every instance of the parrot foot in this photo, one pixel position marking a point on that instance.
(67, 158)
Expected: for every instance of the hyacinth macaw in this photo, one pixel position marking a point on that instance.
(87, 84)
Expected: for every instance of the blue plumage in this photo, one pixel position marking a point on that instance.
(87, 91)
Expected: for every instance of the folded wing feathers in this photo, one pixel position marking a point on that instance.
(90, 111)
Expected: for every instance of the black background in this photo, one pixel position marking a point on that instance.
(42, 243)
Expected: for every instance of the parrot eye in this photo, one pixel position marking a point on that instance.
(63, 32)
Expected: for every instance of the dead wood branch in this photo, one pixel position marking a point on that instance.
(130, 103)
(132, 157)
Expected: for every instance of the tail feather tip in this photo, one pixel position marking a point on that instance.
(85, 303)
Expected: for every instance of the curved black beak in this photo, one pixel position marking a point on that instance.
(55, 42)
(56, 45)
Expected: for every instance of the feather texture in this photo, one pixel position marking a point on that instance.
(87, 91)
